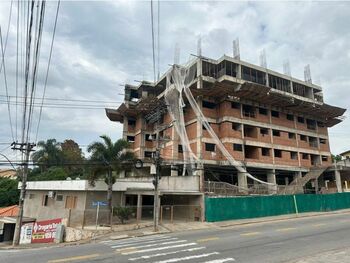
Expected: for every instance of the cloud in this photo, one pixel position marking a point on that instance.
(100, 45)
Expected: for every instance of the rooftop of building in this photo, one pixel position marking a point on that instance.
(221, 81)
(9, 211)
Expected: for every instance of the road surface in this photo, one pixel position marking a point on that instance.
(281, 241)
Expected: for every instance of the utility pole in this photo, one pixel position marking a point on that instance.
(156, 176)
(26, 149)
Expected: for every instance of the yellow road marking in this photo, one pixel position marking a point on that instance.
(250, 234)
(207, 239)
(317, 225)
(285, 229)
(127, 249)
(73, 258)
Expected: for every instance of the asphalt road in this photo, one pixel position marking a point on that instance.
(282, 241)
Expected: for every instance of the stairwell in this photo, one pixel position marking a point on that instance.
(297, 185)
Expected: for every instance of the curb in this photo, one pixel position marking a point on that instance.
(281, 219)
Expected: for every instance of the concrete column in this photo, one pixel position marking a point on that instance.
(139, 207)
(286, 180)
(174, 171)
(338, 181)
(125, 128)
(297, 175)
(242, 181)
(271, 178)
(200, 173)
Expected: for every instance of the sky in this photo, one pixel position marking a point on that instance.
(99, 46)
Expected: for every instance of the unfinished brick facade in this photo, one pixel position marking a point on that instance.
(269, 121)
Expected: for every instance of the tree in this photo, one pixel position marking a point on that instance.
(51, 174)
(48, 155)
(73, 158)
(336, 158)
(108, 157)
(9, 192)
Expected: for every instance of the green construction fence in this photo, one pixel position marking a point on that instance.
(230, 208)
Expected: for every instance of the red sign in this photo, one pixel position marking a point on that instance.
(45, 231)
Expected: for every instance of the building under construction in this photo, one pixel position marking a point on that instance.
(273, 126)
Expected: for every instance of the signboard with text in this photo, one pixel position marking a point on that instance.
(45, 231)
(99, 203)
(26, 233)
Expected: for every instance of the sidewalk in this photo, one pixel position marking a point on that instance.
(333, 256)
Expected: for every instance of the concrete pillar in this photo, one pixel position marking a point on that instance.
(174, 171)
(286, 180)
(271, 178)
(338, 181)
(297, 175)
(139, 207)
(200, 173)
(242, 181)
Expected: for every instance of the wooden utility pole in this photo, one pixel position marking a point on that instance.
(26, 149)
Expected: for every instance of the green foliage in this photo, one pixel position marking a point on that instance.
(123, 213)
(336, 158)
(9, 194)
(49, 154)
(72, 158)
(53, 173)
(57, 161)
(107, 156)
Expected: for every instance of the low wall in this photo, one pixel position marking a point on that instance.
(230, 208)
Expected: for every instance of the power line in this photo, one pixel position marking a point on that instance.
(61, 105)
(36, 65)
(153, 51)
(5, 80)
(63, 99)
(7, 33)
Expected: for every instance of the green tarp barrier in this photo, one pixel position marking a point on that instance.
(229, 208)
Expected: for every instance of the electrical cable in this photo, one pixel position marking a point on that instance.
(153, 51)
(6, 88)
(7, 33)
(47, 71)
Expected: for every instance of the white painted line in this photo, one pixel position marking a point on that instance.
(221, 260)
(136, 239)
(159, 248)
(142, 242)
(167, 253)
(158, 244)
(171, 260)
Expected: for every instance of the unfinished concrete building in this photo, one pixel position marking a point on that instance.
(273, 124)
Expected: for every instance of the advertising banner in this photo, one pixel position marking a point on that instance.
(26, 233)
(45, 231)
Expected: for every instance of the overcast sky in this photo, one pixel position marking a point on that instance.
(100, 46)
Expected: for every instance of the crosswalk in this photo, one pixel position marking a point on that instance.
(164, 249)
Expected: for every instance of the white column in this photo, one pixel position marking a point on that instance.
(338, 181)
(271, 178)
(174, 171)
(139, 207)
(242, 181)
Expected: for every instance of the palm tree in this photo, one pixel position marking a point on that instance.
(49, 154)
(107, 157)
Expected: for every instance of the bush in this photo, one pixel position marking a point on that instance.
(123, 213)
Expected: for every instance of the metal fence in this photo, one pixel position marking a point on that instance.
(134, 214)
(180, 213)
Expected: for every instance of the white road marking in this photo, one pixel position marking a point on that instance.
(136, 239)
(142, 242)
(167, 253)
(221, 260)
(158, 248)
(171, 260)
(157, 244)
